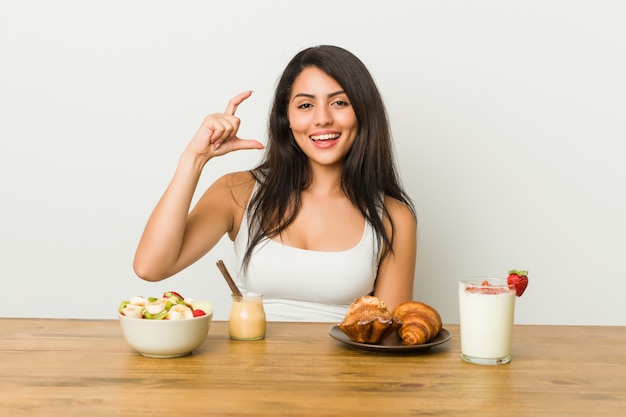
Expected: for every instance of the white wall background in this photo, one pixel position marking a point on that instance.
(508, 116)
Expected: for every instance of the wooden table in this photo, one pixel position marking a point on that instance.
(52, 367)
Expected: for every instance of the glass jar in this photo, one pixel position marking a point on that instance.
(247, 317)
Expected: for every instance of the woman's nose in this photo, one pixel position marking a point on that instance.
(323, 117)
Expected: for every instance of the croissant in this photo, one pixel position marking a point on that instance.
(368, 320)
(420, 322)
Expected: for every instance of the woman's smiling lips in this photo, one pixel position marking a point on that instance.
(324, 139)
(325, 136)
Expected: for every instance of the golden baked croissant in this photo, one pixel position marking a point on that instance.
(420, 322)
(368, 320)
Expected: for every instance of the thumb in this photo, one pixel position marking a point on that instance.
(247, 144)
(237, 144)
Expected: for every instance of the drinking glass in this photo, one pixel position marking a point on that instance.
(486, 312)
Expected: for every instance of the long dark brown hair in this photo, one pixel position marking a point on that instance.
(369, 171)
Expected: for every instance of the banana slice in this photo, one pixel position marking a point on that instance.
(179, 312)
(133, 311)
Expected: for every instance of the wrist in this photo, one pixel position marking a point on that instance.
(192, 160)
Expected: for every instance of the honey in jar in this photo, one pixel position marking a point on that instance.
(247, 317)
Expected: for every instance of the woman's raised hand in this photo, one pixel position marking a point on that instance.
(218, 133)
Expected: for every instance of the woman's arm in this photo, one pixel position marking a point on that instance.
(394, 282)
(174, 238)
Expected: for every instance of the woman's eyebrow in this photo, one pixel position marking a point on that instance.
(307, 95)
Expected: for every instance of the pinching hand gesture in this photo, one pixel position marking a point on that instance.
(218, 133)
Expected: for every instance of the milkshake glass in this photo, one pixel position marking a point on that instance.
(486, 313)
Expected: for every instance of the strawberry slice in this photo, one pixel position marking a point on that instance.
(198, 313)
(518, 280)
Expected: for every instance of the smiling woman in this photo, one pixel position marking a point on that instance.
(321, 117)
(321, 221)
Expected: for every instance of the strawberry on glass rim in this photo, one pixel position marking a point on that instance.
(518, 280)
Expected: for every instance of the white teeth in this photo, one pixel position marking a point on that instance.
(327, 136)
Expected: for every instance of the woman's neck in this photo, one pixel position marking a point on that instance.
(326, 180)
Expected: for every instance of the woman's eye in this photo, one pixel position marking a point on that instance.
(341, 103)
(304, 106)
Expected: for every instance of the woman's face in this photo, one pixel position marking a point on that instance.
(321, 117)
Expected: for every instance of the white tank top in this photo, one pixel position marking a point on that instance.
(306, 285)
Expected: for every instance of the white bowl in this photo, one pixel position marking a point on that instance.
(165, 338)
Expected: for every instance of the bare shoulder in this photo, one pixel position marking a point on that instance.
(399, 212)
(238, 185)
(238, 178)
(226, 197)
(231, 193)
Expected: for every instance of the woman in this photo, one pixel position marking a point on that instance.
(321, 221)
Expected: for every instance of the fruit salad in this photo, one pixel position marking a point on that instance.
(171, 306)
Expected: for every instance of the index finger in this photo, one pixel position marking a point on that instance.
(236, 101)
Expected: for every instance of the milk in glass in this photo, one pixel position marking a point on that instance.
(486, 313)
